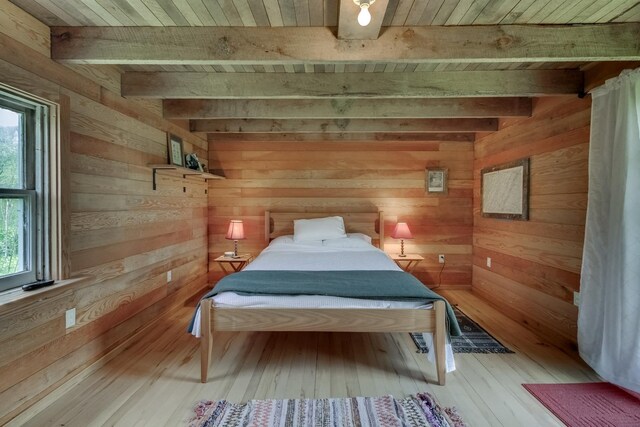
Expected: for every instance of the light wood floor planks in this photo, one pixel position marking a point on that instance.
(155, 380)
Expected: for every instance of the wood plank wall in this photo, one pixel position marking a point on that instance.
(349, 176)
(536, 263)
(124, 236)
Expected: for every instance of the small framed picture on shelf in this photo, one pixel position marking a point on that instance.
(193, 162)
(436, 181)
(176, 156)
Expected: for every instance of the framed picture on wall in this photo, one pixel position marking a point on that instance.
(436, 180)
(176, 152)
(505, 190)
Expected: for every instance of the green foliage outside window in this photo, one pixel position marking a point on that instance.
(11, 210)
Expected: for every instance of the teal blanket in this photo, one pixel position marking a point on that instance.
(367, 284)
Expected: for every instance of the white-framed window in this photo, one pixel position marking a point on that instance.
(24, 207)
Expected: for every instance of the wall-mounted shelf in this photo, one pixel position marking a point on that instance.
(185, 172)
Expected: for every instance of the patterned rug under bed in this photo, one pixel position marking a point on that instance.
(474, 338)
(414, 411)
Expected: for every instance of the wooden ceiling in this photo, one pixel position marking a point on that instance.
(280, 69)
(314, 13)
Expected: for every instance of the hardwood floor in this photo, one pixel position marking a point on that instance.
(154, 380)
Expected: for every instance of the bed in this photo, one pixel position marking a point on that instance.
(228, 311)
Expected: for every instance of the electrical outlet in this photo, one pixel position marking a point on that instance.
(576, 299)
(169, 276)
(441, 258)
(70, 318)
(489, 262)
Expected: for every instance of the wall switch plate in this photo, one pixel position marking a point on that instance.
(489, 262)
(70, 318)
(169, 276)
(576, 299)
(441, 258)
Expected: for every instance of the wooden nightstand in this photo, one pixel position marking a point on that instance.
(408, 263)
(236, 264)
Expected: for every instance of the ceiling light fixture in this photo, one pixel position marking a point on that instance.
(364, 17)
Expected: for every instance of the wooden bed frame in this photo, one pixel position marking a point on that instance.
(323, 319)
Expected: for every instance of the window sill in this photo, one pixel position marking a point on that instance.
(17, 298)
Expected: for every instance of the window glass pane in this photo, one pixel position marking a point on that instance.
(11, 149)
(13, 242)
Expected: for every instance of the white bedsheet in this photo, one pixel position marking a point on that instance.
(284, 255)
(291, 256)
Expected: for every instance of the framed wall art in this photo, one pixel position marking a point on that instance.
(176, 152)
(505, 190)
(192, 162)
(436, 180)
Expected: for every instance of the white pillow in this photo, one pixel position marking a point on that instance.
(318, 229)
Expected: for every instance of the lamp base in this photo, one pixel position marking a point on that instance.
(402, 249)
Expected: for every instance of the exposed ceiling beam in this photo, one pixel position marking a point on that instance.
(348, 26)
(345, 125)
(302, 137)
(431, 84)
(345, 108)
(598, 73)
(288, 45)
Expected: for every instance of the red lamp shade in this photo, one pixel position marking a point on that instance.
(236, 230)
(402, 231)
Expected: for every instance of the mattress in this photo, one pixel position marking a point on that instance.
(351, 253)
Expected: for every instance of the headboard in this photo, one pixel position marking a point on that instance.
(370, 223)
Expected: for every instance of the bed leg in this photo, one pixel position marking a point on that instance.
(205, 339)
(439, 339)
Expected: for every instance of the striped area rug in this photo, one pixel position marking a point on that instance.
(417, 410)
(474, 338)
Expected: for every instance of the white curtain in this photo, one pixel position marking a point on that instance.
(609, 317)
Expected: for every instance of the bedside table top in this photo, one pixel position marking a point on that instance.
(241, 257)
(407, 257)
(233, 265)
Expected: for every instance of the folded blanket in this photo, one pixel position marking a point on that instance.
(365, 284)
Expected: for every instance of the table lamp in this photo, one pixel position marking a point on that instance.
(235, 233)
(402, 232)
